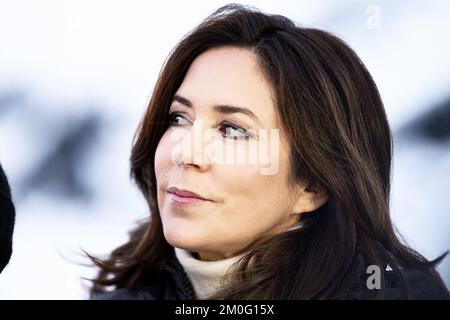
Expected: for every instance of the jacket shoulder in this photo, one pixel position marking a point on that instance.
(171, 283)
(422, 286)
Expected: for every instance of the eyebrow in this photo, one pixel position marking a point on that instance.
(221, 108)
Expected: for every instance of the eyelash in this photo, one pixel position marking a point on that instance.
(246, 134)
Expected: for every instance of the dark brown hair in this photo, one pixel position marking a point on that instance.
(334, 118)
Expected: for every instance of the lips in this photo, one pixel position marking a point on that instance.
(184, 193)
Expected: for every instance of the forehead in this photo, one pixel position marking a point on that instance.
(228, 75)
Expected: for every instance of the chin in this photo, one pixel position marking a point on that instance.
(181, 238)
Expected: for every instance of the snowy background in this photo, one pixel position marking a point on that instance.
(75, 79)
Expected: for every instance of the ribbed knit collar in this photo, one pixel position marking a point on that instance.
(207, 277)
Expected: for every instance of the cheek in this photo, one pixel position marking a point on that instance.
(250, 179)
(255, 195)
(163, 160)
(246, 191)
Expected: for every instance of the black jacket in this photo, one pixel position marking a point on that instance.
(173, 284)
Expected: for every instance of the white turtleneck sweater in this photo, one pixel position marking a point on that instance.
(207, 277)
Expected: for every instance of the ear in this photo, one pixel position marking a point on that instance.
(309, 199)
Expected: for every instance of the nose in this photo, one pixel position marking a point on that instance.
(189, 151)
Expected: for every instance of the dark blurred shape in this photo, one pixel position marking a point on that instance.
(60, 172)
(7, 218)
(432, 125)
(11, 98)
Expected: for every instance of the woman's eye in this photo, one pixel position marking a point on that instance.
(228, 130)
(234, 132)
(177, 119)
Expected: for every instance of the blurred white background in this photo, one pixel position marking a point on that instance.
(76, 76)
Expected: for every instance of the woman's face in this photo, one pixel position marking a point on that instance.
(223, 95)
